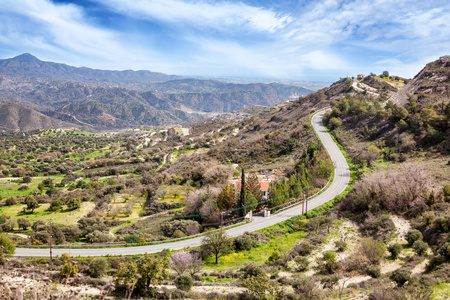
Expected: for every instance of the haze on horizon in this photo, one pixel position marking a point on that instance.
(296, 40)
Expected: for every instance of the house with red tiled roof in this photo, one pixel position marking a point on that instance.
(264, 185)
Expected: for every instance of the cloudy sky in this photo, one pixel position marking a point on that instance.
(318, 40)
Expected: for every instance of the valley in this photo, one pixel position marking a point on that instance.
(132, 199)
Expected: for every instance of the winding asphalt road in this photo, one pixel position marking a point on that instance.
(339, 184)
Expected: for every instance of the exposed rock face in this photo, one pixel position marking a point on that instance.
(433, 81)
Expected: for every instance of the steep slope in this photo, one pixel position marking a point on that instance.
(18, 118)
(431, 84)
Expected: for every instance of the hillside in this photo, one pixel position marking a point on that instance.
(430, 85)
(18, 118)
(126, 99)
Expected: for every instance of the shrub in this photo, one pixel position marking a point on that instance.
(395, 250)
(400, 276)
(412, 236)
(244, 242)
(98, 237)
(340, 245)
(132, 239)
(184, 282)
(23, 223)
(74, 203)
(304, 249)
(373, 271)
(252, 270)
(55, 205)
(372, 250)
(168, 228)
(97, 266)
(7, 248)
(420, 247)
(302, 263)
(328, 264)
(10, 201)
(444, 250)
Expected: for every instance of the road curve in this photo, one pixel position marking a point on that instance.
(339, 184)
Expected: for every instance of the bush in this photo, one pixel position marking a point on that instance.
(395, 250)
(412, 236)
(184, 282)
(73, 203)
(7, 248)
(55, 205)
(98, 237)
(97, 266)
(373, 271)
(132, 239)
(420, 247)
(328, 264)
(372, 250)
(244, 242)
(168, 228)
(252, 270)
(26, 179)
(304, 249)
(23, 223)
(302, 263)
(340, 245)
(400, 276)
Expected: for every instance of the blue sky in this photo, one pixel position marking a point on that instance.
(318, 40)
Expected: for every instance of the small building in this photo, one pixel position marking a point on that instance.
(264, 185)
(360, 76)
(157, 140)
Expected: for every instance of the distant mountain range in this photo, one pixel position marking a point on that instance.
(120, 99)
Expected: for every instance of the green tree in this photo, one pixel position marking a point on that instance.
(127, 274)
(23, 223)
(69, 269)
(242, 194)
(32, 205)
(252, 184)
(153, 269)
(218, 243)
(262, 288)
(97, 266)
(7, 248)
(55, 205)
(73, 203)
(227, 198)
(250, 202)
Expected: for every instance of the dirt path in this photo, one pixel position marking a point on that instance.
(402, 226)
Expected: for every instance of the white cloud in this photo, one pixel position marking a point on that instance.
(217, 15)
(64, 33)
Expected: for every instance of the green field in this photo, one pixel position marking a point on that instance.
(259, 255)
(10, 187)
(59, 217)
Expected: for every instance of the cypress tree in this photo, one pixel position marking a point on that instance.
(242, 195)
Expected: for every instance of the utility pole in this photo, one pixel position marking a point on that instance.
(303, 203)
(51, 257)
